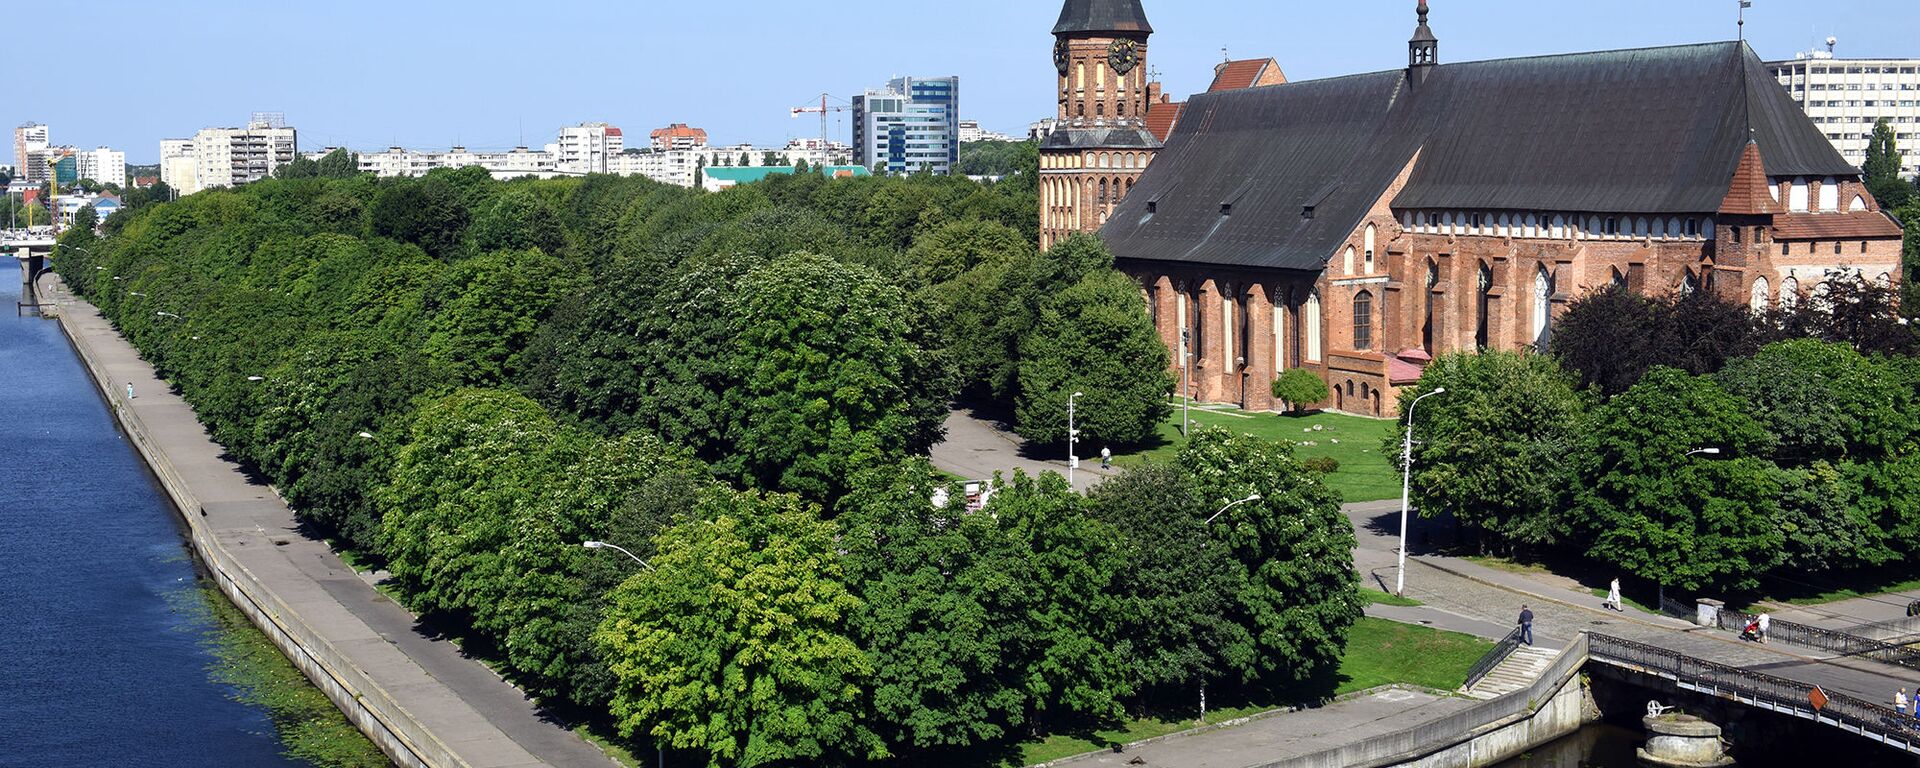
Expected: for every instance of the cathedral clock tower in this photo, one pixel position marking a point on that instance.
(1100, 144)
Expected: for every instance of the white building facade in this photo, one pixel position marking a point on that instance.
(107, 166)
(399, 161)
(177, 165)
(1846, 97)
(30, 138)
(587, 148)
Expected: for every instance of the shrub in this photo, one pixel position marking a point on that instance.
(1323, 465)
(1300, 388)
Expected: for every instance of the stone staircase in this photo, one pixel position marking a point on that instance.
(1517, 671)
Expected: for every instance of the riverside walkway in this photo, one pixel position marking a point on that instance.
(463, 711)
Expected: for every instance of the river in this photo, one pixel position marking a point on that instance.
(104, 656)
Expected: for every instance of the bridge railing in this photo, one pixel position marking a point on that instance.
(1895, 631)
(1776, 693)
(1837, 641)
(1500, 652)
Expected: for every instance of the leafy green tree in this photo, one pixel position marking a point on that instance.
(1072, 661)
(996, 158)
(1176, 598)
(1492, 449)
(1824, 400)
(1609, 338)
(733, 644)
(302, 167)
(473, 459)
(427, 212)
(943, 613)
(807, 371)
(989, 310)
(1094, 337)
(1298, 594)
(515, 220)
(86, 219)
(1300, 388)
(1881, 171)
(482, 313)
(955, 248)
(338, 164)
(1645, 506)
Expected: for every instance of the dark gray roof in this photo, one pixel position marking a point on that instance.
(1649, 130)
(1123, 137)
(1078, 16)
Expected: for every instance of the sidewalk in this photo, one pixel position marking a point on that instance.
(482, 719)
(976, 448)
(1282, 736)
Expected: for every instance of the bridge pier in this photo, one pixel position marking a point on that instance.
(32, 265)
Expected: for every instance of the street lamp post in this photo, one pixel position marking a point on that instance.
(617, 548)
(1073, 439)
(1186, 384)
(1231, 505)
(1406, 485)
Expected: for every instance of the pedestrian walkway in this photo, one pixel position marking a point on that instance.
(1278, 737)
(975, 448)
(483, 720)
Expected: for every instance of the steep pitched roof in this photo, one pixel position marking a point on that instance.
(1162, 117)
(1748, 194)
(1246, 73)
(1079, 16)
(1635, 131)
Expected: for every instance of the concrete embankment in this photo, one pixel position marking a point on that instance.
(416, 697)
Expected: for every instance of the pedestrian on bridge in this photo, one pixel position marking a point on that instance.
(1613, 596)
(1526, 625)
(1764, 622)
(1900, 701)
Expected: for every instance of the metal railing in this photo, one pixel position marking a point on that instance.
(1487, 663)
(1427, 738)
(1843, 643)
(1760, 689)
(1677, 609)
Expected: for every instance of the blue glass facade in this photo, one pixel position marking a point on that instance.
(912, 125)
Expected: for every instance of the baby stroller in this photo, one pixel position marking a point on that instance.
(1752, 632)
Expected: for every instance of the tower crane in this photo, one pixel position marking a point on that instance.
(825, 109)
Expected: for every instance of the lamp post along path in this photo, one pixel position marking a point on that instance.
(1073, 439)
(1406, 485)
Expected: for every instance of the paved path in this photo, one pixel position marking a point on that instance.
(975, 448)
(1853, 612)
(1287, 735)
(1463, 596)
(482, 718)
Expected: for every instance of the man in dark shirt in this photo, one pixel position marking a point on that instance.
(1526, 625)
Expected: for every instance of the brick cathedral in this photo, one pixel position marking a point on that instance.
(1357, 226)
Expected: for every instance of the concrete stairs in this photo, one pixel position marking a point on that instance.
(1517, 671)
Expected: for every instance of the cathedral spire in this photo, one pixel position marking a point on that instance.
(1423, 50)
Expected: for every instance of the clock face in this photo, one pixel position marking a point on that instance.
(1060, 56)
(1124, 55)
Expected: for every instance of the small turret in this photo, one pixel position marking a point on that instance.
(1423, 51)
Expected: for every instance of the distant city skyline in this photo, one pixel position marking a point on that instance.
(485, 75)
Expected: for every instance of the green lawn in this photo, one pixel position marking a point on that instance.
(1803, 594)
(1364, 474)
(1378, 597)
(1379, 652)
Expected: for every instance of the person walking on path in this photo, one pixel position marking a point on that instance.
(1526, 625)
(1613, 596)
(129, 390)
(1764, 620)
(1900, 701)
(1106, 457)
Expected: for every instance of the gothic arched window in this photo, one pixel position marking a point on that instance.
(1542, 307)
(1486, 304)
(1363, 320)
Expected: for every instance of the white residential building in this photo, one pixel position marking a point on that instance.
(177, 165)
(586, 148)
(399, 161)
(970, 131)
(1846, 97)
(107, 166)
(30, 137)
(228, 157)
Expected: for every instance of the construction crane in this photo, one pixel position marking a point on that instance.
(826, 154)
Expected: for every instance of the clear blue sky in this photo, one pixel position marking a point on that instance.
(429, 73)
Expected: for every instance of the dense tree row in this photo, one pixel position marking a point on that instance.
(1686, 442)
(463, 380)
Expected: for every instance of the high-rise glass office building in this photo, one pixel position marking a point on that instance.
(910, 126)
